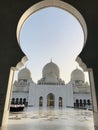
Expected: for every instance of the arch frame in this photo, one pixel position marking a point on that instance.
(52, 3)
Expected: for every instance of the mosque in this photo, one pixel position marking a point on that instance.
(51, 90)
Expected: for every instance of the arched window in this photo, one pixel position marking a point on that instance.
(21, 102)
(24, 101)
(60, 102)
(17, 101)
(13, 101)
(77, 103)
(84, 102)
(88, 102)
(81, 103)
(40, 101)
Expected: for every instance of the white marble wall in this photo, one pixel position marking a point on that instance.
(36, 91)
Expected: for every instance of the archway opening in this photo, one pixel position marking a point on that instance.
(60, 102)
(41, 101)
(50, 100)
(48, 43)
(44, 37)
(50, 97)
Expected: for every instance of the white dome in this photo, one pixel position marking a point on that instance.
(51, 78)
(77, 74)
(24, 74)
(50, 68)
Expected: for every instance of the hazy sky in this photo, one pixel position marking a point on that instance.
(51, 33)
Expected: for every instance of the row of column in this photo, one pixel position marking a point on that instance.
(82, 103)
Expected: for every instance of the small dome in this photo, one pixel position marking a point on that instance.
(24, 74)
(77, 74)
(50, 68)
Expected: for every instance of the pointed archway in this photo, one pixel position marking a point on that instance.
(50, 100)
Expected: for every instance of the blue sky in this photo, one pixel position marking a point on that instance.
(51, 33)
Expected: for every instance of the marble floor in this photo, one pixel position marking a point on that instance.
(68, 119)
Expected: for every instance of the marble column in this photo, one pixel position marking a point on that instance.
(94, 100)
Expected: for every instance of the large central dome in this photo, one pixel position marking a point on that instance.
(50, 68)
(50, 75)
